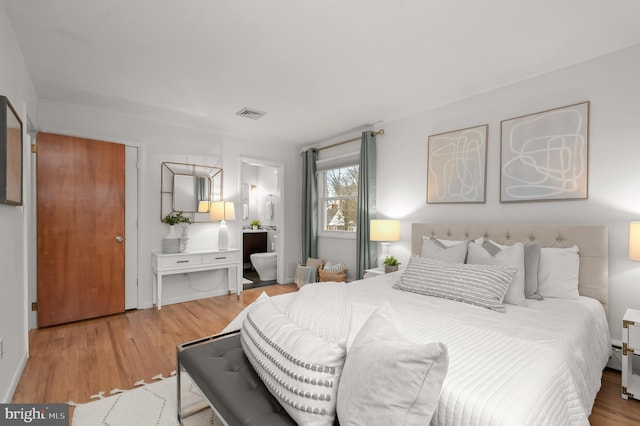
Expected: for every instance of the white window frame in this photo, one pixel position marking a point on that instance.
(321, 177)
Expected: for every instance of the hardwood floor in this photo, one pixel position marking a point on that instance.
(71, 362)
(74, 361)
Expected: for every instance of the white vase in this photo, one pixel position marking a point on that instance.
(185, 238)
(171, 243)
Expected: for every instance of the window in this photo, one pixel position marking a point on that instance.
(338, 199)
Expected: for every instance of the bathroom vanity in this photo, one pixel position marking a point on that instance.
(253, 242)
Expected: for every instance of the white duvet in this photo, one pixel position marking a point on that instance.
(534, 365)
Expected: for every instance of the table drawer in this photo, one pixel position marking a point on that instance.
(213, 258)
(182, 260)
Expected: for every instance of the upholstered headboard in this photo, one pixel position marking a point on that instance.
(592, 242)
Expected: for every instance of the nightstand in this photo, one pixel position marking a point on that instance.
(630, 346)
(373, 272)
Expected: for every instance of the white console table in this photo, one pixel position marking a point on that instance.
(196, 261)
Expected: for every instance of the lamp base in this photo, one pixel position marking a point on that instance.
(223, 236)
(383, 254)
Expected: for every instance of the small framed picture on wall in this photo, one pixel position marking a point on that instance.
(456, 166)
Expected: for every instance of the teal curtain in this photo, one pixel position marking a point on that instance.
(366, 253)
(309, 205)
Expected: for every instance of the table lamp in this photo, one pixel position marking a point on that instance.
(222, 211)
(384, 231)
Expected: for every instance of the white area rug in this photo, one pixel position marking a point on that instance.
(149, 404)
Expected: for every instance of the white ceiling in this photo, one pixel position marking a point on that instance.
(318, 68)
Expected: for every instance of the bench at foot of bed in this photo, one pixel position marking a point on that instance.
(234, 391)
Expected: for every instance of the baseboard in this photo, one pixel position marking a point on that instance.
(16, 379)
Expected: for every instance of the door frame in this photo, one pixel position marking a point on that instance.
(33, 225)
(281, 272)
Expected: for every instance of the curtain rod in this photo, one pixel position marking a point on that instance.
(379, 132)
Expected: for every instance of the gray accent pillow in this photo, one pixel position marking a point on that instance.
(434, 249)
(387, 379)
(531, 262)
(532, 251)
(481, 285)
(438, 243)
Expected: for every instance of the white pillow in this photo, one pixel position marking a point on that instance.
(432, 249)
(300, 369)
(329, 319)
(387, 379)
(558, 273)
(507, 256)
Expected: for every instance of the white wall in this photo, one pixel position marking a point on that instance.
(161, 141)
(16, 85)
(611, 83)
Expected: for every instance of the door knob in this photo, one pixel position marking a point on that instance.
(119, 239)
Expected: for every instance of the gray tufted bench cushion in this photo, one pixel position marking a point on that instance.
(219, 368)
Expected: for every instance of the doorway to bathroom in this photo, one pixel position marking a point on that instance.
(262, 218)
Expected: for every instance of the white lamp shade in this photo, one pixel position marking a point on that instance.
(385, 230)
(217, 210)
(229, 211)
(634, 241)
(222, 210)
(203, 206)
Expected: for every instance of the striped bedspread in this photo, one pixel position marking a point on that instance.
(534, 365)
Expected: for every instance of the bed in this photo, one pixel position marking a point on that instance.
(536, 364)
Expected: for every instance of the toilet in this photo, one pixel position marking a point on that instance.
(265, 265)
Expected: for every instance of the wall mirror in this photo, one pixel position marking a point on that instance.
(10, 154)
(189, 188)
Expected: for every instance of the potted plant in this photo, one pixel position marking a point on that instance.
(255, 224)
(176, 218)
(390, 264)
(174, 243)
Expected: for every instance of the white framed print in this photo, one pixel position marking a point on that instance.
(544, 156)
(456, 166)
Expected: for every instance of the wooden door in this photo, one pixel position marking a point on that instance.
(80, 205)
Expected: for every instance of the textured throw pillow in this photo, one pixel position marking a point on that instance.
(558, 273)
(507, 256)
(387, 379)
(334, 267)
(481, 285)
(329, 319)
(300, 369)
(435, 249)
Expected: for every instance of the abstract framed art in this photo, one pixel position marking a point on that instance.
(544, 156)
(456, 166)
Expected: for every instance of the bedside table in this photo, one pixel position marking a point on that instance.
(373, 272)
(630, 346)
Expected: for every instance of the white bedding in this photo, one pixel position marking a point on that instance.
(539, 364)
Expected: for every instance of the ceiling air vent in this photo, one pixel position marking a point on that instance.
(253, 114)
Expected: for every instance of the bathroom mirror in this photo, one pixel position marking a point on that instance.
(189, 188)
